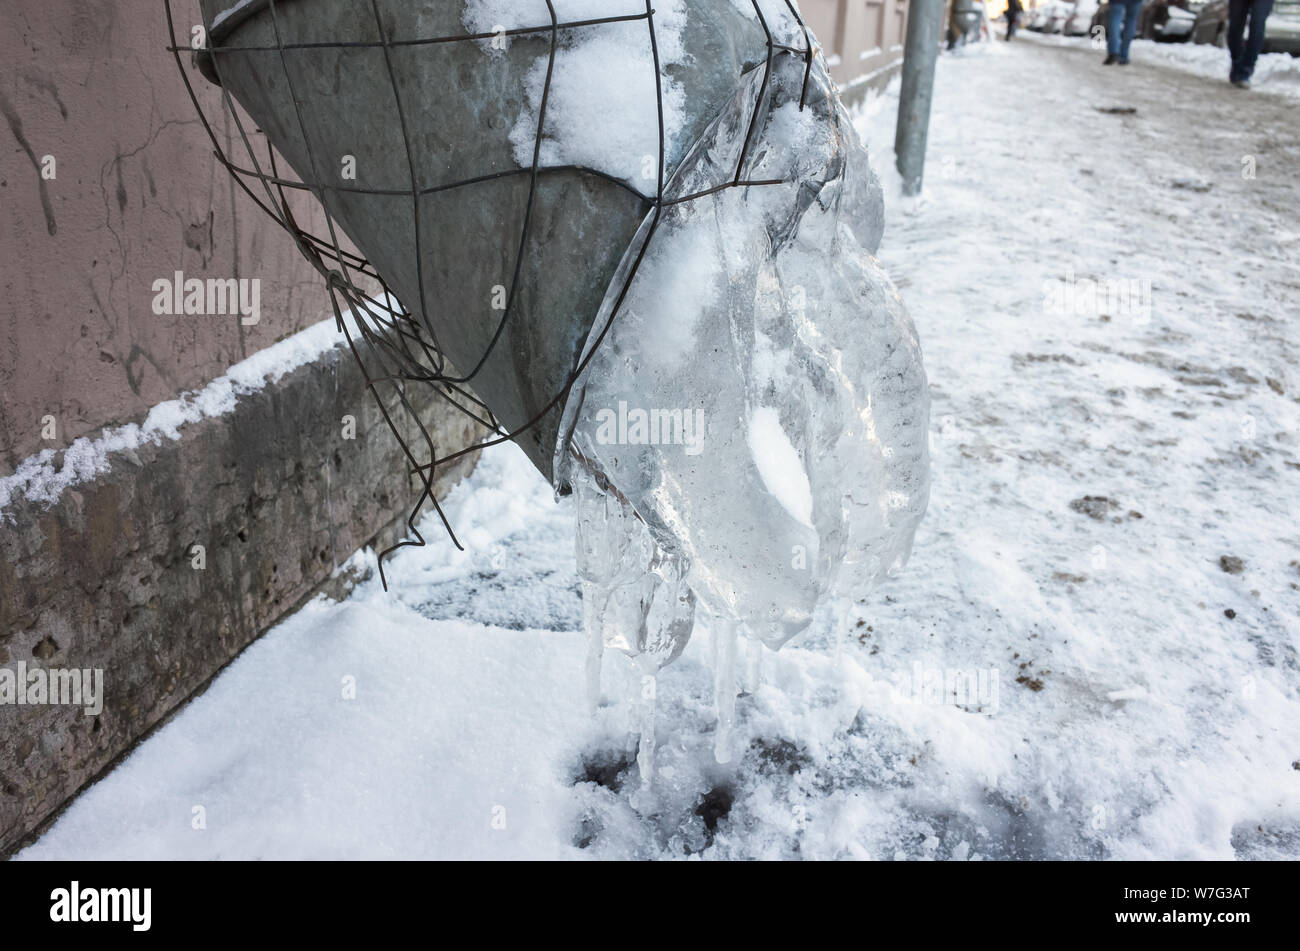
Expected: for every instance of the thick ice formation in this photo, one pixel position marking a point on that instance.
(634, 593)
(749, 432)
(758, 407)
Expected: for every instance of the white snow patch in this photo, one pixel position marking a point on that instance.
(227, 13)
(591, 120)
(44, 476)
(779, 465)
(1274, 72)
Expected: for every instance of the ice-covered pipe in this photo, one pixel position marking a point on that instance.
(750, 428)
(369, 100)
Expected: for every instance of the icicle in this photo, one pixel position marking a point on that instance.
(645, 755)
(595, 648)
(754, 670)
(635, 595)
(602, 541)
(840, 613)
(724, 685)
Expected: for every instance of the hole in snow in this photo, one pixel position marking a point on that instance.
(588, 829)
(605, 769)
(714, 807)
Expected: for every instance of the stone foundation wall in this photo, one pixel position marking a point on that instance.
(107, 579)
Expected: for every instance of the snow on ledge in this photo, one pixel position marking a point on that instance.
(226, 14)
(43, 477)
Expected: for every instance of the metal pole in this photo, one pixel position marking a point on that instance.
(921, 49)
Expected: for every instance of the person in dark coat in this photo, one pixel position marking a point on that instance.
(1014, 9)
(1245, 53)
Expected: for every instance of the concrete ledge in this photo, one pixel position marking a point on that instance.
(106, 578)
(856, 90)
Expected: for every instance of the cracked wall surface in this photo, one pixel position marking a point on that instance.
(136, 195)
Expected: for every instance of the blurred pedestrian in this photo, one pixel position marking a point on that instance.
(1013, 13)
(1121, 24)
(1245, 54)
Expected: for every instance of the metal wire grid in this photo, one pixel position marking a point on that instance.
(402, 342)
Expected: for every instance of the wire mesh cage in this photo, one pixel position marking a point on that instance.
(451, 263)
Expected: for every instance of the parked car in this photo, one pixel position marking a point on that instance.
(1168, 20)
(1211, 24)
(1099, 19)
(1281, 29)
(1057, 13)
(1047, 17)
(1050, 17)
(1036, 18)
(1079, 22)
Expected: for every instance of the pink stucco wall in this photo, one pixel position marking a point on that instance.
(859, 37)
(137, 196)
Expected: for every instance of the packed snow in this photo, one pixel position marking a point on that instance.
(1274, 72)
(1092, 654)
(590, 120)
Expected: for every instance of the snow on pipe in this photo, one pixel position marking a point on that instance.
(641, 247)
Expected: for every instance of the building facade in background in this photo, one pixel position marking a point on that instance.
(862, 39)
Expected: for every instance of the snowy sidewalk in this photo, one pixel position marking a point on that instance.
(1275, 73)
(1112, 553)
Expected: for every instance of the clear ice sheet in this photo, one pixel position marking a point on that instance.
(761, 312)
(634, 593)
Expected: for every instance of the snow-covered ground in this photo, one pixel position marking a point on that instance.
(1274, 72)
(1111, 554)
